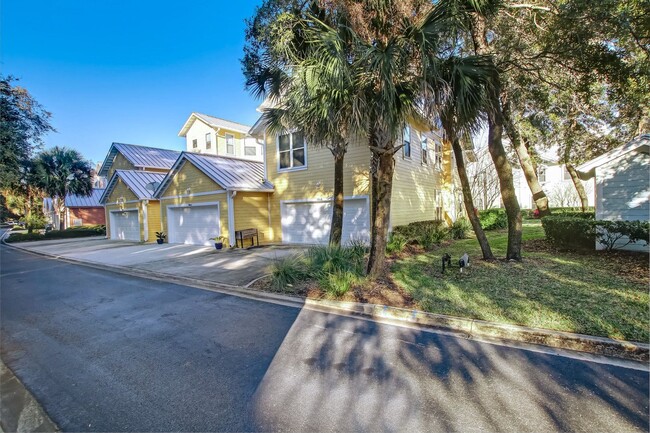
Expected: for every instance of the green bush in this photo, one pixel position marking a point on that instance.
(334, 259)
(72, 232)
(432, 236)
(609, 233)
(413, 230)
(396, 242)
(493, 219)
(460, 228)
(338, 283)
(570, 232)
(34, 222)
(287, 271)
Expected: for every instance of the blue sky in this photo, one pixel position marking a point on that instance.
(127, 71)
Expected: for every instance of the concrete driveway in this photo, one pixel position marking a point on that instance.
(236, 267)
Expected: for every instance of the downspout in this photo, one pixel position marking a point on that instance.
(231, 216)
(266, 174)
(145, 216)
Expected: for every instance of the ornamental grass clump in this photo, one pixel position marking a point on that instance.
(287, 271)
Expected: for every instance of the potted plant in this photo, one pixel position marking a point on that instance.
(218, 241)
(160, 237)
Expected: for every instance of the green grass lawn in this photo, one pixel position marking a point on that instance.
(584, 293)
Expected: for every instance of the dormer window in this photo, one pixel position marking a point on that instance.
(230, 144)
(291, 151)
(208, 140)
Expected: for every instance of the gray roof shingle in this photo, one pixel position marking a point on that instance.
(140, 156)
(230, 173)
(72, 200)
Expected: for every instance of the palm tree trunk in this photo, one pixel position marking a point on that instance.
(584, 200)
(495, 146)
(541, 201)
(337, 214)
(381, 219)
(469, 202)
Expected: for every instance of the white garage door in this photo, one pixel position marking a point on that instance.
(125, 225)
(310, 222)
(193, 225)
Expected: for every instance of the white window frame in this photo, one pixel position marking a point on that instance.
(195, 143)
(541, 174)
(407, 130)
(291, 149)
(231, 136)
(438, 155)
(208, 140)
(424, 144)
(250, 147)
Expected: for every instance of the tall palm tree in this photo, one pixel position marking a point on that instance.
(60, 171)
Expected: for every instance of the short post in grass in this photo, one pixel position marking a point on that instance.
(463, 262)
(446, 261)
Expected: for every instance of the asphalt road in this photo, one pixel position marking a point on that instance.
(106, 352)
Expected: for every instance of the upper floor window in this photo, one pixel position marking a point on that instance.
(230, 144)
(208, 140)
(565, 174)
(291, 150)
(250, 150)
(425, 145)
(406, 140)
(195, 143)
(541, 174)
(438, 156)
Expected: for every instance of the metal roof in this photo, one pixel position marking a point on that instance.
(140, 156)
(72, 200)
(640, 142)
(214, 122)
(141, 183)
(230, 173)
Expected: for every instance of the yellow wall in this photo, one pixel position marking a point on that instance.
(251, 211)
(198, 182)
(153, 219)
(417, 187)
(153, 212)
(317, 180)
(120, 163)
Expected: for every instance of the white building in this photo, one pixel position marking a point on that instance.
(557, 185)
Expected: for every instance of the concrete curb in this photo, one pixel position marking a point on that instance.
(468, 328)
(19, 411)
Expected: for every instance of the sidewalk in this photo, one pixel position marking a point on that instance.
(231, 267)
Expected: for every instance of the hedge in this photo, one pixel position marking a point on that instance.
(73, 232)
(493, 219)
(571, 232)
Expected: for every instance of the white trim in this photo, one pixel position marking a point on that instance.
(231, 217)
(125, 202)
(130, 209)
(266, 174)
(277, 152)
(319, 200)
(225, 136)
(172, 206)
(145, 219)
(198, 194)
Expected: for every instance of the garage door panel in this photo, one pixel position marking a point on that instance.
(310, 222)
(125, 225)
(193, 225)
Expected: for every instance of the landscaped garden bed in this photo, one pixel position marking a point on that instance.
(596, 293)
(72, 232)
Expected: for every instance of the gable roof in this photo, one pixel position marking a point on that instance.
(640, 143)
(215, 122)
(233, 174)
(140, 156)
(72, 200)
(141, 183)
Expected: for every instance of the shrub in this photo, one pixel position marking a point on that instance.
(460, 228)
(432, 236)
(608, 233)
(332, 259)
(570, 232)
(396, 242)
(34, 222)
(413, 230)
(337, 283)
(493, 219)
(287, 271)
(72, 232)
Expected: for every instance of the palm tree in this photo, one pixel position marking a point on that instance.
(313, 85)
(59, 171)
(462, 115)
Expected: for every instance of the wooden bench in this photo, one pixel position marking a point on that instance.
(241, 235)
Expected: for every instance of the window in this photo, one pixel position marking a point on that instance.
(250, 150)
(291, 149)
(425, 157)
(438, 156)
(541, 174)
(406, 140)
(565, 174)
(208, 140)
(195, 143)
(230, 144)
